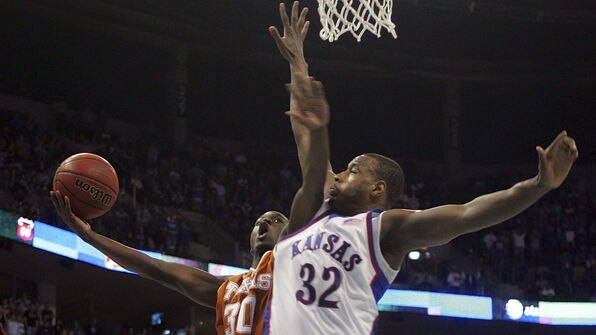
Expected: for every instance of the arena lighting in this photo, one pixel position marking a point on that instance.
(437, 304)
(66, 243)
(545, 312)
(514, 309)
(414, 255)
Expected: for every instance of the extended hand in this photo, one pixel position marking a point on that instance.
(556, 161)
(312, 109)
(62, 205)
(290, 45)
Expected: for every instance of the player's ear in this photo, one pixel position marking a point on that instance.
(378, 188)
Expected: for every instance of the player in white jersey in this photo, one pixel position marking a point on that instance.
(336, 270)
(329, 273)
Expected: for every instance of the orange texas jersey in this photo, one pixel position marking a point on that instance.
(242, 300)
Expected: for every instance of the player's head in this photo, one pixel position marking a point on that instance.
(266, 231)
(369, 180)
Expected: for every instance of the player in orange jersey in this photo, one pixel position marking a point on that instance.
(236, 299)
(242, 299)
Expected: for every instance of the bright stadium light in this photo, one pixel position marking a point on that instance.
(514, 309)
(414, 255)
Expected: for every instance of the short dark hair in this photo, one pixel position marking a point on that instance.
(389, 171)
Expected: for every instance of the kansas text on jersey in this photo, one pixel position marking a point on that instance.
(329, 276)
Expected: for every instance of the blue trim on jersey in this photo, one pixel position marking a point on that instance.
(379, 284)
(313, 221)
(375, 326)
(267, 316)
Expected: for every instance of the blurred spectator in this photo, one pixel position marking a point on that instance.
(14, 323)
(93, 327)
(519, 242)
(456, 280)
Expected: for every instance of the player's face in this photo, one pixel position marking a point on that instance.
(352, 187)
(266, 231)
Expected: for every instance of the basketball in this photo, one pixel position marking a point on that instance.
(90, 182)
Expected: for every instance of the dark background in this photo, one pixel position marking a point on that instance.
(524, 76)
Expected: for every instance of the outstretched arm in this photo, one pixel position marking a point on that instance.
(291, 47)
(197, 285)
(403, 231)
(312, 112)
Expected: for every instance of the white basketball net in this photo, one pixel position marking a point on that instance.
(355, 16)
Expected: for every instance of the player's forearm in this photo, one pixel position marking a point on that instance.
(195, 284)
(299, 131)
(310, 196)
(316, 161)
(494, 208)
(127, 257)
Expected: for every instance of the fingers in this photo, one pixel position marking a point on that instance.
(277, 39)
(304, 84)
(284, 17)
(570, 148)
(302, 18)
(67, 202)
(317, 88)
(295, 90)
(304, 30)
(557, 139)
(564, 147)
(54, 200)
(541, 154)
(60, 204)
(295, 114)
(57, 200)
(275, 34)
(295, 14)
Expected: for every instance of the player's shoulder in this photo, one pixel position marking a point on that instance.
(266, 258)
(232, 278)
(396, 215)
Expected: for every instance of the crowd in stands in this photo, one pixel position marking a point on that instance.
(232, 190)
(548, 250)
(21, 316)
(25, 316)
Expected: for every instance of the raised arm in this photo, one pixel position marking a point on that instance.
(312, 112)
(197, 285)
(403, 231)
(291, 47)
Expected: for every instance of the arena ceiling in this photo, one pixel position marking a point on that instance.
(525, 67)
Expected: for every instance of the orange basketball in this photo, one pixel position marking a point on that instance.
(90, 182)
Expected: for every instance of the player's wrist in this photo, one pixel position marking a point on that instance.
(299, 66)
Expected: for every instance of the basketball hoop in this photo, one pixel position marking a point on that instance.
(356, 17)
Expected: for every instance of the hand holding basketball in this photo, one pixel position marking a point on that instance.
(90, 183)
(62, 205)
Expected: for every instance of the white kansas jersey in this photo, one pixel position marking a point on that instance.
(328, 276)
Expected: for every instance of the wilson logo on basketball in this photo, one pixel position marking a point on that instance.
(96, 193)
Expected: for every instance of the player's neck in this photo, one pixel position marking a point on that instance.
(256, 259)
(359, 208)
